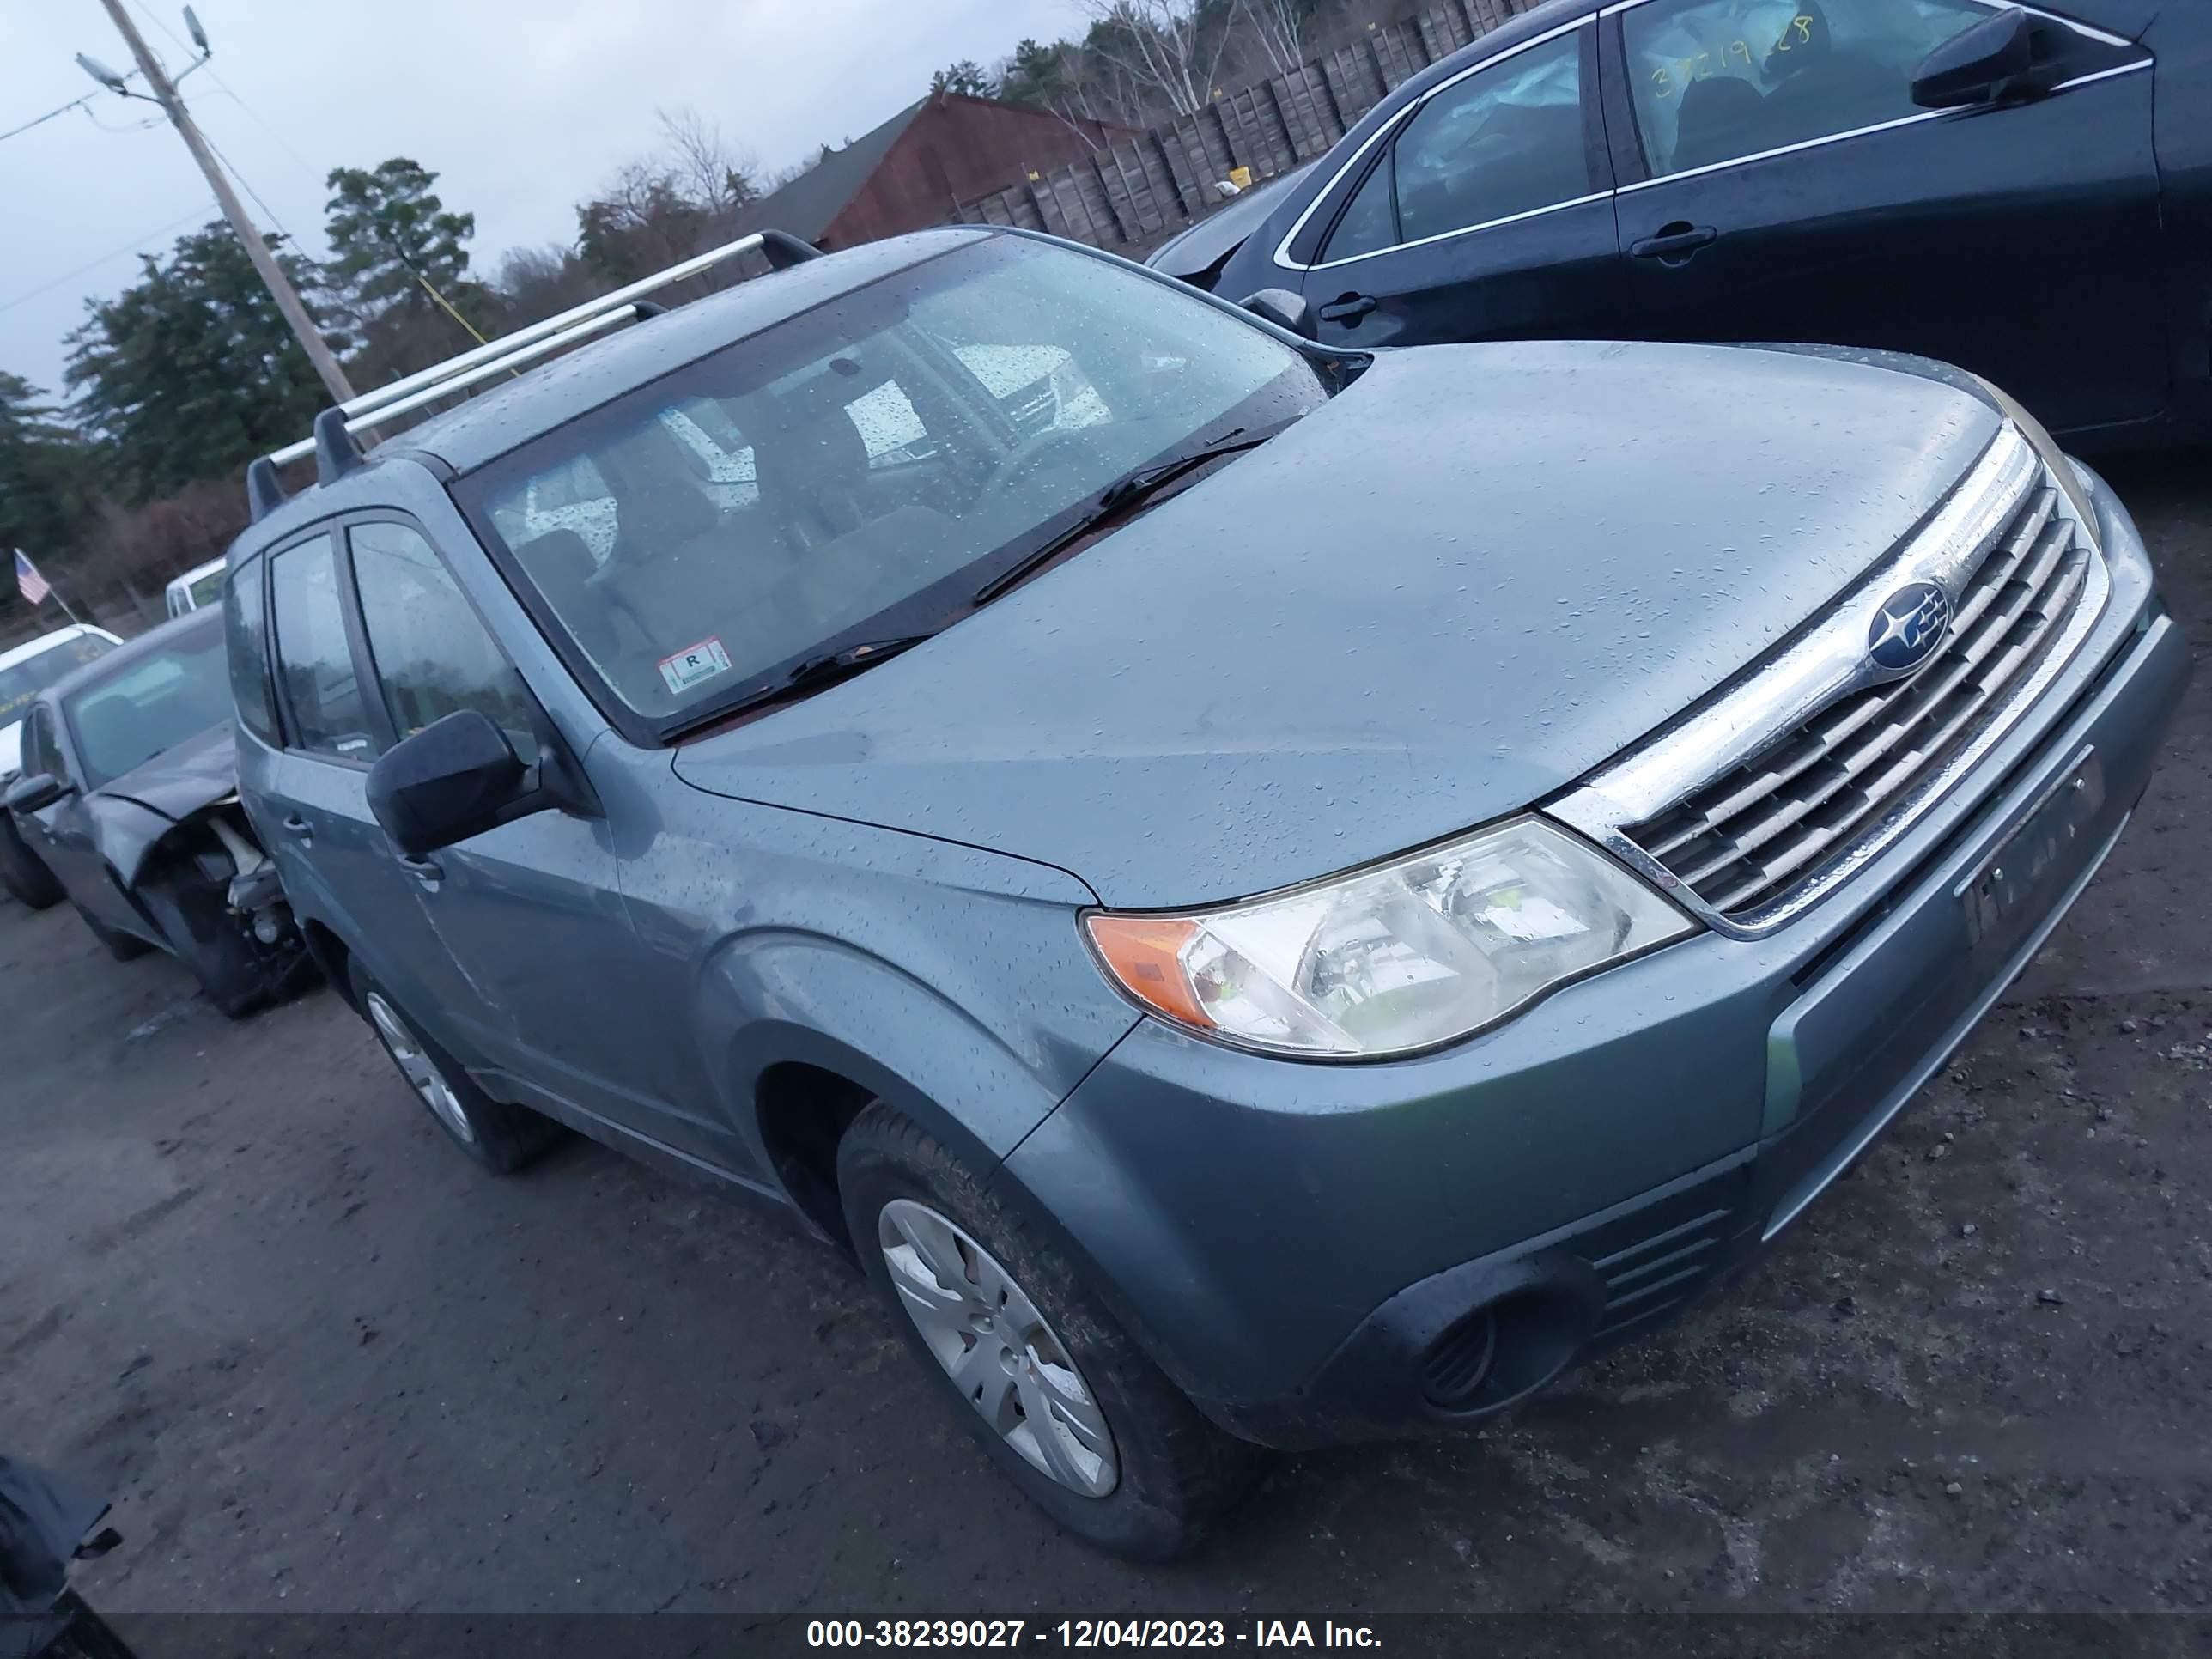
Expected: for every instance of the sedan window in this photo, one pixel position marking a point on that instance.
(1716, 80)
(1507, 140)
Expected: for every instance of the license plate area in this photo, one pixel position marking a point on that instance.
(2020, 880)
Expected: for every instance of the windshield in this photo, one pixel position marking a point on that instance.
(21, 682)
(149, 704)
(859, 471)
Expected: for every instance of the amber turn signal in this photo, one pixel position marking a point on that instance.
(1141, 954)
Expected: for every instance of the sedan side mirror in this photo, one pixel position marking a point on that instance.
(1284, 309)
(456, 777)
(1977, 65)
(35, 792)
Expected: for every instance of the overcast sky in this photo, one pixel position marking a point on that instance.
(522, 107)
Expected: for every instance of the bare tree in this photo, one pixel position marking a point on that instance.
(712, 175)
(535, 282)
(1170, 48)
(1281, 27)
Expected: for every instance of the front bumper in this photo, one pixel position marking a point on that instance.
(1319, 1253)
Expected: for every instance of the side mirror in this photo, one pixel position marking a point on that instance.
(1977, 65)
(456, 777)
(1284, 309)
(35, 792)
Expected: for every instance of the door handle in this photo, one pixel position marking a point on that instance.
(1349, 309)
(1674, 243)
(299, 828)
(427, 872)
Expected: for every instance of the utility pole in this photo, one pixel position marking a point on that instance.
(264, 262)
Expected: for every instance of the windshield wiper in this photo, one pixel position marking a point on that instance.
(812, 673)
(1132, 488)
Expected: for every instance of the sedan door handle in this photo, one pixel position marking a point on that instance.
(1674, 243)
(1349, 309)
(427, 872)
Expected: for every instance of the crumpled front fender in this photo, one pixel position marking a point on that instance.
(127, 833)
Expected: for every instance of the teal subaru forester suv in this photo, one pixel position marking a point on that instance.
(1268, 895)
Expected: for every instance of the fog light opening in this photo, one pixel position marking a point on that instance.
(1458, 1362)
(1488, 1359)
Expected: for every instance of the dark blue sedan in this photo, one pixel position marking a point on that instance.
(2024, 192)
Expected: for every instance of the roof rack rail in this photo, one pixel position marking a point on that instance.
(526, 345)
(264, 491)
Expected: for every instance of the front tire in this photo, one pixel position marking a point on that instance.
(123, 947)
(23, 873)
(1062, 1399)
(503, 1139)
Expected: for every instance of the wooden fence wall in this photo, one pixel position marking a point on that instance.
(1135, 193)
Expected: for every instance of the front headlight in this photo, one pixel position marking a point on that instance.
(1396, 957)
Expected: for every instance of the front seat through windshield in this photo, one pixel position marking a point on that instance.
(857, 472)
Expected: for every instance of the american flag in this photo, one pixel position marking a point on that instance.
(28, 579)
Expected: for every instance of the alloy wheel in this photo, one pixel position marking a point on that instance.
(1006, 1359)
(420, 1070)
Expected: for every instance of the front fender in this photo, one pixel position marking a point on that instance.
(126, 833)
(779, 996)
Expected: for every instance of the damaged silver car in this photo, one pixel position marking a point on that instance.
(128, 801)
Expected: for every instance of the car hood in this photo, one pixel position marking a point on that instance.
(1470, 578)
(130, 815)
(1190, 253)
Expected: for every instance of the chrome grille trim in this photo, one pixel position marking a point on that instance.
(1759, 803)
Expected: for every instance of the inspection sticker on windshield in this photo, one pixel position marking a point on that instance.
(694, 663)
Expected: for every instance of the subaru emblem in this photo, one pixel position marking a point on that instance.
(1908, 627)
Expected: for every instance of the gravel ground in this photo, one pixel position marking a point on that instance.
(326, 1365)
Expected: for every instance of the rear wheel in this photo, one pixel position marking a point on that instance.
(1060, 1397)
(23, 872)
(501, 1137)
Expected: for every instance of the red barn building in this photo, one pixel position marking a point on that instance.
(917, 169)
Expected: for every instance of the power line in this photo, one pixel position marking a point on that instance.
(135, 127)
(265, 264)
(130, 247)
(76, 103)
(267, 126)
(175, 41)
(215, 75)
(231, 168)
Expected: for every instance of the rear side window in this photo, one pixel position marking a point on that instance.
(246, 632)
(1718, 80)
(433, 655)
(1506, 141)
(1371, 222)
(313, 660)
